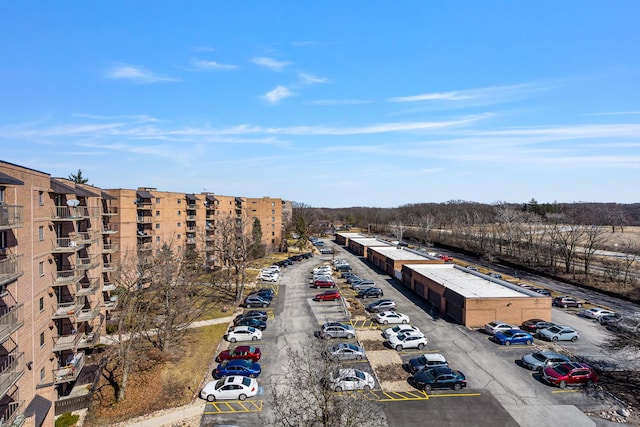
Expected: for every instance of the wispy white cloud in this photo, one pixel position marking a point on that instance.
(310, 79)
(270, 63)
(278, 94)
(492, 95)
(137, 74)
(614, 113)
(202, 64)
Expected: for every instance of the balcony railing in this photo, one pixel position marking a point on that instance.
(66, 245)
(70, 371)
(67, 342)
(66, 213)
(11, 319)
(109, 287)
(191, 229)
(67, 309)
(110, 211)
(191, 217)
(109, 228)
(108, 267)
(87, 263)
(144, 247)
(109, 248)
(146, 219)
(10, 216)
(11, 369)
(88, 314)
(66, 277)
(10, 269)
(110, 305)
(11, 413)
(191, 241)
(88, 288)
(86, 237)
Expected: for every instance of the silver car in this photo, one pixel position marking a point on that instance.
(345, 351)
(541, 359)
(559, 333)
(337, 330)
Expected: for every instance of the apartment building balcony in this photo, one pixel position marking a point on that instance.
(10, 216)
(191, 241)
(67, 309)
(67, 213)
(109, 228)
(74, 341)
(109, 211)
(10, 269)
(209, 248)
(144, 219)
(109, 248)
(66, 245)
(143, 247)
(141, 234)
(89, 288)
(11, 319)
(87, 263)
(87, 237)
(71, 370)
(90, 211)
(66, 277)
(108, 286)
(88, 314)
(108, 267)
(110, 304)
(191, 229)
(12, 413)
(210, 238)
(11, 369)
(191, 217)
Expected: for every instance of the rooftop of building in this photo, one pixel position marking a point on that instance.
(371, 242)
(399, 253)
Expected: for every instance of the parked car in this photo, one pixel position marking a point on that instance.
(407, 340)
(258, 324)
(337, 330)
(426, 361)
(472, 268)
(247, 352)
(326, 251)
(495, 275)
(571, 373)
(492, 327)
(345, 351)
(440, 377)
(328, 296)
(233, 387)
(532, 325)
(539, 360)
(324, 284)
(542, 291)
(270, 277)
(256, 301)
(343, 267)
(398, 329)
(566, 301)
(345, 275)
(351, 379)
(243, 333)
(264, 293)
(386, 317)
(559, 333)
(610, 319)
(445, 258)
(381, 305)
(354, 278)
(361, 284)
(370, 293)
(246, 368)
(513, 336)
(596, 313)
(253, 314)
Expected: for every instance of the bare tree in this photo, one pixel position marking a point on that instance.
(594, 239)
(304, 398)
(398, 229)
(567, 239)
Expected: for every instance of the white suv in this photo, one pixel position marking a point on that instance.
(408, 340)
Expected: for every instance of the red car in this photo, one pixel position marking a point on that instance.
(571, 373)
(328, 296)
(247, 352)
(324, 284)
(445, 258)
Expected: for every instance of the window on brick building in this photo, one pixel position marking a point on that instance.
(41, 339)
(41, 233)
(41, 304)
(41, 268)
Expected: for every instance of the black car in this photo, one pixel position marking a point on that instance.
(253, 314)
(264, 293)
(258, 324)
(610, 319)
(370, 293)
(440, 377)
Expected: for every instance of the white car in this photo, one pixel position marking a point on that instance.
(492, 327)
(270, 277)
(351, 379)
(596, 313)
(398, 329)
(244, 333)
(408, 340)
(387, 317)
(233, 387)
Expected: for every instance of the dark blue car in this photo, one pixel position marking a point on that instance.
(513, 336)
(256, 323)
(440, 377)
(246, 368)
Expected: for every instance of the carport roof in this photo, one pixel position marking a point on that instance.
(371, 241)
(396, 253)
(464, 284)
(350, 234)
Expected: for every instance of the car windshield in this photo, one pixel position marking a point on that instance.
(561, 369)
(360, 375)
(402, 337)
(396, 328)
(554, 329)
(539, 357)
(493, 324)
(422, 360)
(352, 346)
(219, 384)
(246, 381)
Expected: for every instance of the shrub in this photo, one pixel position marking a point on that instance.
(67, 420)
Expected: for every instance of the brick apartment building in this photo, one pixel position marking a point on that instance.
(60, 243)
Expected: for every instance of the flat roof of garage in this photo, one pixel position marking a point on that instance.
(350, 234)
(466, 284)
(371, 241)
(396, 253)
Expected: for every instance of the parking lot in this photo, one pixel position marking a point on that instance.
(499, 392)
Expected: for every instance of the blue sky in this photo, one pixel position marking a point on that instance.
(334, 104)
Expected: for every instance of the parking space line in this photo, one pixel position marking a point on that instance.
(455, 395)
(234, 406)
(565, 391)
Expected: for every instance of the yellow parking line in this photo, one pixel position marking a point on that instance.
(565, 391)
